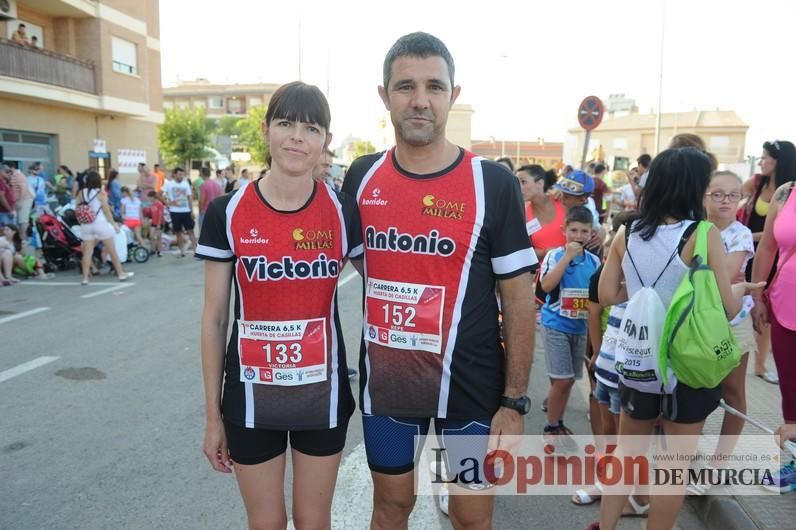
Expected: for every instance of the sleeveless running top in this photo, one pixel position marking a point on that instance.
(651, 256)
(550, 235)
(781, 293)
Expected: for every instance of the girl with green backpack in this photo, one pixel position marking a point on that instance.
(656, 255)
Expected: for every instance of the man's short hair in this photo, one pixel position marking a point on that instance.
(21, 25)
(418, 44)
(177, 169)
(644, 160)
(599, 168)
(205, 172)
(579, 214)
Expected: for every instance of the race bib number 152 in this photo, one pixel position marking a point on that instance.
(404, 316)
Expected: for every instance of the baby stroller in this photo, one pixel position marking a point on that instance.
(60, 246)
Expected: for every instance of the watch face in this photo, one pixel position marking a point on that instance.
(525, 403)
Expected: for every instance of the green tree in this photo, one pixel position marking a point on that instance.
(362, 147)
(184, 136)
(227, 126)
(250, 134)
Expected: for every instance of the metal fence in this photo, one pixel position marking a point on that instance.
(44, 66)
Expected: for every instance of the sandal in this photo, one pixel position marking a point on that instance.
(769, 377)
(126, 276)
(583, 498)
(637, 510)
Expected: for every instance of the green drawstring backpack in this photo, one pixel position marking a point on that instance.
(697, 340)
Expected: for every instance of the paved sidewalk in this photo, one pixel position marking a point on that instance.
(752, 512)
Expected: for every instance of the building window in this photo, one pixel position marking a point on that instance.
(720, 144)
(619, 143)
(234, 106)
(182, 103)
(215, 102)
(199, 103)
(255, 101)
(124, 56)
(168, 104)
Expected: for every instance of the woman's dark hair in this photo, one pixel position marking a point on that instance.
(537, 172)
(16, 239)
(93, 180)
(784, 153)
(550, 179)
(298, 101)
(676, 185)
(66, 171)
(114, 174)
(507, 161)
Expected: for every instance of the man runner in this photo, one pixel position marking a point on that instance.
(441, 226)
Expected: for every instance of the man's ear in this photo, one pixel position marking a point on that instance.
(455, 94)
(385, 98)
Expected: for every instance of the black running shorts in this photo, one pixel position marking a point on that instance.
(255, 446)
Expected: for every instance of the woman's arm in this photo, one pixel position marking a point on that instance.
(106, 209)
(612, 288)
(215, 321)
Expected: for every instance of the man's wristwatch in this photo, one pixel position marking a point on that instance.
(521, 404)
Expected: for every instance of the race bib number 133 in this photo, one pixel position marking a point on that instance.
(284, 353)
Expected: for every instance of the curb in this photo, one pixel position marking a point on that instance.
(723, 511)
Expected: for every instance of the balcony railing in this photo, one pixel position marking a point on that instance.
(45, 66)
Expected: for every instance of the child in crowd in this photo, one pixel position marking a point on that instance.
(565, 278)
(721, 204)
(131, 214)
(156, 209)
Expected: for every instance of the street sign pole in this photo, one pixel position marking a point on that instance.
(585, 150)
(590, 114)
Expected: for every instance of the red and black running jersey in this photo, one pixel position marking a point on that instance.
(434, 247)
(285, 365)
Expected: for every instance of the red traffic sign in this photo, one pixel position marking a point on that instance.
(590, 113)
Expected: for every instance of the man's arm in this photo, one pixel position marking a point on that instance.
(516, 298)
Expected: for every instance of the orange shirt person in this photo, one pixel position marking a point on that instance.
(161, 177)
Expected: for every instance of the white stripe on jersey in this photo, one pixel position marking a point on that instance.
(333, 387)
(366, 404)
(204, 250)
(514, 261)
(248, 387)
(335, 354)
(445, 383)
(230, 209)
(376, 165)
(357, 251)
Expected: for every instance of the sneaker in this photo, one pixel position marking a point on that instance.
(442, 499)
(352, 373)
(543, 406)
(784, 479)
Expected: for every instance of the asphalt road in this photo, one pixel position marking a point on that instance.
(101, 413)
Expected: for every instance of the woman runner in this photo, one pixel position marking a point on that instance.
(281, 242)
